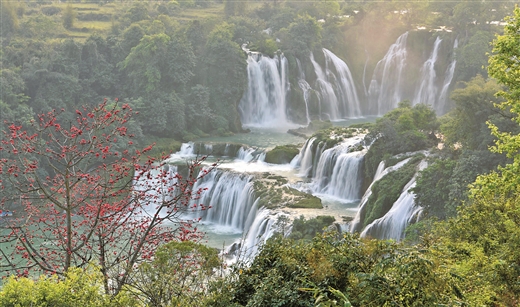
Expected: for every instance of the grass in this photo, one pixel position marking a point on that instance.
(83, 29)
(214, 11)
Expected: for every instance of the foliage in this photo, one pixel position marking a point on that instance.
(225, 77)
(482, 241)
(405, 129)
(273, 192)
(367, 272)
(69, 16)
(177, 275)
(81, 193)
(465, 125)
(301, 37)
(307, 229)
(387, 190)
(8, 18)
(472, 57)
(77, 287)
(432, 191)
(334, 135)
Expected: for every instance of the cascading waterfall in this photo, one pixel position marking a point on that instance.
(393, 224)
(448, 77)
(304, 159)
(264, 102)
(262, 228)
(385, 90)
(328, 99)
(229, 198)
(245, 154)
(308, 158)
(156, 187)
(427, 90)
(330, 92)
(306, 88)
(339, 171)
(381, 171)
(344, 83)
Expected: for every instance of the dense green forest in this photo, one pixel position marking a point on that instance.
(181, 63)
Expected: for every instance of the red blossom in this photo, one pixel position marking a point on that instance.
(85, 203)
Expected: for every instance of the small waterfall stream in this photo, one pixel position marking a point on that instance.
(356, 225)
(427, 90)
(306, 88)
(393, 224)
(448, 77)
(328, 99)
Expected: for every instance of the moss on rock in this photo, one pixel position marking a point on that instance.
(282, 154)
(273, 192)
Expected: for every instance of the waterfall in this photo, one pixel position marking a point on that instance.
(385, 89)
(155, 187)
(330, 89)
(339, 172)
(393, 224)
(448, 77)
(306, 88)
(349, 106)
(229, 199)
(381, 171)
(264, 102)
(245, 154)
(328, 99)
(335, 85)
(305, 158)
(427, 91)
(262, 228)
(336, 171)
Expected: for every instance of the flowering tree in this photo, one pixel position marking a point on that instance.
(83, 196)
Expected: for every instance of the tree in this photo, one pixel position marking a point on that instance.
(369, 272)
(404, 129)
(483, 240)
(69, 16)
(302, 36)
(504, 65)
(177, 276)
(80, 287)
(8, 18)
(85, 196)
(146, 63)
(225, 76)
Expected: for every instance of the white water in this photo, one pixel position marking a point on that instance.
(264, 102)
(333, 86)
(380, 173)
(385, 90)
(229, 199)
(306, 88)
(427, 90)
(338, 171)
(328, 100)
(448, 77)
(393, 224)
(262, 228)
(344, 82)
(332, 174)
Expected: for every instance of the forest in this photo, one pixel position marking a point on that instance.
(96, 96)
